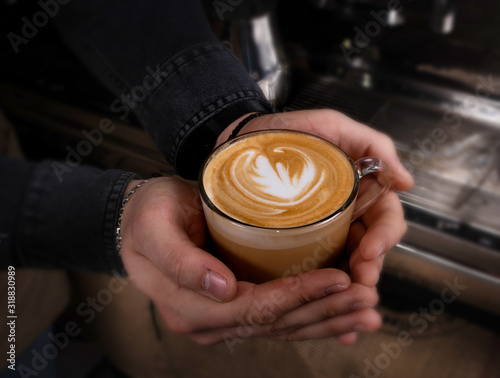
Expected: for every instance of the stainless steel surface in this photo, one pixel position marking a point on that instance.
(437, 96)
(474, 287)
(451, 149)
(264, 62)
(449, 140)
(256, 44)
(442, 17)
(459, 250)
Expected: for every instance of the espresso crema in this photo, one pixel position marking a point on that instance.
(279, 179)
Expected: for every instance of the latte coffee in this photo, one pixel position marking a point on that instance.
(280, 202)
(279, 180)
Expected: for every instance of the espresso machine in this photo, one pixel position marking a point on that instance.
(427, 73)
(424, 72)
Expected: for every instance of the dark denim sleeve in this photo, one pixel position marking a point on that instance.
(162, 61)
(49, 222)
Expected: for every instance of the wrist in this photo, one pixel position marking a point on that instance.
(126, 208)
(224, 136)
(236, 127)
(129, 187)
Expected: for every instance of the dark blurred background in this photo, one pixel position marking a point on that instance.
(425, 72)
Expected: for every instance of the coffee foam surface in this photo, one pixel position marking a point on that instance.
(279, 180)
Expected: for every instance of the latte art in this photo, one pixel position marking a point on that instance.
(279, 180)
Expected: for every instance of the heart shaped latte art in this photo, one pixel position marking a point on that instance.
(287, 175)
(279, 180)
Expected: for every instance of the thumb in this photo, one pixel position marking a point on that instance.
(190, 267)
(154, 226)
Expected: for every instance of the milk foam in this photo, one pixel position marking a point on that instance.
(279, 180)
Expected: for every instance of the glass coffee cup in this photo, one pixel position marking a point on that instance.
(281, 202)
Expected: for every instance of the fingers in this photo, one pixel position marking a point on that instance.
(366, 272)
(181, 309)
(315, 319)
(253, 307)
(365, 320)
(190, 267)
(348, 338)
(359, 140)
(259, 306)
(263, 304)
(165, 221)
(256, 308)
(356, 139)
(357, 297)
(374, 143)
(344, 327)
(385, 226)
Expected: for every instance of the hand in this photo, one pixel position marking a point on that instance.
(382, 225)
(163, 232)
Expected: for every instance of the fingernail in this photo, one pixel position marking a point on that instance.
(404, 171)
(360, 305)
(215, 285)
(381, 250)
(359, 328)
(284, 328)
(336, 288)
(367, 252)
(407, 175)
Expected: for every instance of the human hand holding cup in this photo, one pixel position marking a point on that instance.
(280, 202)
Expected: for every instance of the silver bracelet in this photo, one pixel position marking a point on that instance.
(120, 214)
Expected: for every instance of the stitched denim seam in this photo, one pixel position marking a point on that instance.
(209, 111)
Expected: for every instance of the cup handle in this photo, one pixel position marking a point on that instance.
(375, 181)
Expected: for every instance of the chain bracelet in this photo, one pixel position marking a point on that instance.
(125, 200)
